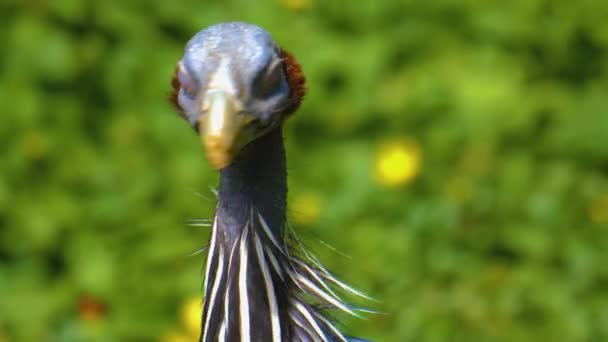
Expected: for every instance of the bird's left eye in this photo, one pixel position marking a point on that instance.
(186, 82)
(268, 80)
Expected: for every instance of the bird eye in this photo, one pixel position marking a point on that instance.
(268, 80)
(186, 82)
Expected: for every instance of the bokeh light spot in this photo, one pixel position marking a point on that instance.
(397, 163)
(598, 209)
(306, 208)
(191, 314)
(296, 5)
(91, 309)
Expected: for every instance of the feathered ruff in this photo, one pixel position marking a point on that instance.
(295, 80)
(175, 86)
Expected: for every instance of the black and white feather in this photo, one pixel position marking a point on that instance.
(258, 281)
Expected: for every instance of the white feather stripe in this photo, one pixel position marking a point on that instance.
(210, 255)
(312, 272)
(328, 276)
(269, 233)
(330, 326)
(303, 328)
(228, 299)
(274, 262)
(198, 251)
(323, 295)
(293, 274)
(243, 296)
(313, 323)
(222, 335)
(214, 289)
(270, 293)
(199, 224)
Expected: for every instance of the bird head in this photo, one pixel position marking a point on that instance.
(233, 85)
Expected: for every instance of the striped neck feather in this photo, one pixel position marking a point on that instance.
(259, 289)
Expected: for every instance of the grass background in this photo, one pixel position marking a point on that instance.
(500, 236)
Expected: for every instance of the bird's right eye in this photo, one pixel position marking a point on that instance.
(268, 80)
(186, 82)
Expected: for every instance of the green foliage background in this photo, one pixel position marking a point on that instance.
(499, 238)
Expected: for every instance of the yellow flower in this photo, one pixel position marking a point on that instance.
(296, 5)
(175, 336)
(598, 209)
(191, 315)
(306, 208)
(397, 163)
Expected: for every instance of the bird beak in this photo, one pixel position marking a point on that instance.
(222, 128)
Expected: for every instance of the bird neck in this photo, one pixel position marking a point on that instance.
(255, 289)
(256, 180)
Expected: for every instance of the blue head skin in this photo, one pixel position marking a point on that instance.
(233, 87)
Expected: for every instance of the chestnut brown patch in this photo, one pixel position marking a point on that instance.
(175, 85)
(295, 80)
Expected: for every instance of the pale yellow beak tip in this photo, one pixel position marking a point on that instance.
(218, 160)
(219, 151)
